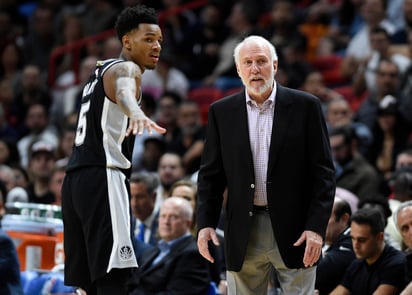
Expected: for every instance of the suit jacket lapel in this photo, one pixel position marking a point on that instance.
(174, 251)
(242, 127)
(280, 125)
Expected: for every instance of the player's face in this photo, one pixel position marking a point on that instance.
(144, 45)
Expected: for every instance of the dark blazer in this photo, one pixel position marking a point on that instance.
(300, 177)
(9, 267)
(182, 271)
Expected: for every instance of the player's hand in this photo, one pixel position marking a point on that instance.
(205, 235)
(313, 248)
(139, 122)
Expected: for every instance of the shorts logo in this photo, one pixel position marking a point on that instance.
(125, 253)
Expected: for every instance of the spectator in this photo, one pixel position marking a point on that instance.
(241, 24)
(166, 115)
(381, 203)
(42, 161)
(188, 142)
(374, 14)
(282, 28)
(9, 266)
(68, 101)
(6, 130)
(202, 41)
(365, 78)
(38, 124)
(353, 172)
(7, 178)
(11, 64)
(339, 113)
(170, 170)
(403, 220)
(387, 83)
(404, 159)
(111, 48)
(390, 136)
(148, 147)
(9, 153)
(97, 16)
(153, 149)
(176, 26)
(66, 141)
(40, 39)
(56, 181)
(379, 268)
(314, 84)
(142, 201)
(175, 265)
(166, 77)
(345, 22)
(337, 251)
(31, 90)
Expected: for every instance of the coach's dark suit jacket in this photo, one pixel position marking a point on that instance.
(300, 178)
(183, 271)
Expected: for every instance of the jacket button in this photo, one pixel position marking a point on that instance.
(250, 213)
(252, 185)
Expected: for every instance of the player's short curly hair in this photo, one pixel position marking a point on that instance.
(131, 17)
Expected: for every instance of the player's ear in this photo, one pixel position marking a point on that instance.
(126, 41)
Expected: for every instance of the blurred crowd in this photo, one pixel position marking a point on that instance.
(354, 55)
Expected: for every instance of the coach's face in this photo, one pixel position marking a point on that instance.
(257, 70)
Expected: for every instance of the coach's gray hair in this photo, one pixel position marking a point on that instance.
(255, 39)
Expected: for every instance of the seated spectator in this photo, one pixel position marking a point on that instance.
(175, 266)
(339, 113)
(9, 266)
(188, 142)
(337, 252)
(41, 164)
(403, 220)
(373, 13)
(390, 136)
(387, 84)
(379, 268)
(201, 43)
(165, 77)
(241, 22)
(365, 78)
(381, 203)
(166, 115)
(353, 172)
(142, 201)
(37, 121)
(315, 84)
(170, 170)
(404, 159)
(56, 182)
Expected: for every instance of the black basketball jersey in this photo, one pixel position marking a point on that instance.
(101, 127)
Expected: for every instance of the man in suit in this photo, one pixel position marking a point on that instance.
(175, 265)
(143, 187)
(269, 147)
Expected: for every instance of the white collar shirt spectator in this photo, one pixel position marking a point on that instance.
(260, 120)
